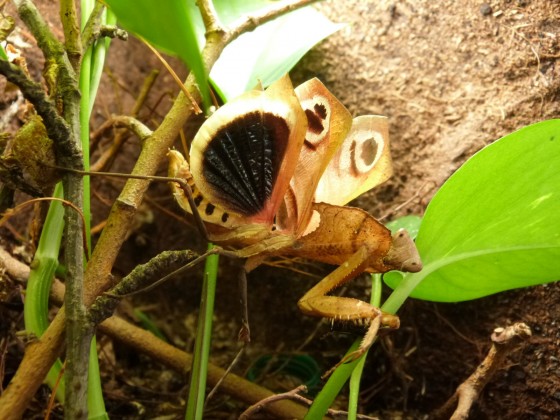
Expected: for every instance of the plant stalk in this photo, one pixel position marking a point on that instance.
(41, 355)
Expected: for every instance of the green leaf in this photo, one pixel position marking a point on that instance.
(167, 25)
(262, 55)
(411, 223)
(268, 52)
(495, 224)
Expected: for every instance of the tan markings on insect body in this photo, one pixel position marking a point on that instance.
(179, 168)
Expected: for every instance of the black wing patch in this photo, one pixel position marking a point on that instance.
(242, 160)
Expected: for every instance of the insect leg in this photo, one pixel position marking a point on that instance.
(197, 218)
(245, 332)
(316, 302)
(183, 183)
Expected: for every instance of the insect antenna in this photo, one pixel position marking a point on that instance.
(183, 184)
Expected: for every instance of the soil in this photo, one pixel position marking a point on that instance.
(452, 77)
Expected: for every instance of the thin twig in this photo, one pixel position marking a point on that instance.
(196, 108)
(250, 23)
(92, 25)
(136, 126)
(182, 183)
(107, 157)
(255, 408)
(10, 212)
(195, 261)
(52, 398)
(214, 390)
(112, 31)
(124, 121)
(139, 279)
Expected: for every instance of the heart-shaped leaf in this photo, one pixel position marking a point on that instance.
(494, 225)
(269, 51)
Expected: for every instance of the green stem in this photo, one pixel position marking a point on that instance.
(355, 378)
(340, 376)
(402, 292)
(45, 262)
(90, 74)
(197, 386)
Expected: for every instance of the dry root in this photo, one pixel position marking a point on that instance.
(504, 341)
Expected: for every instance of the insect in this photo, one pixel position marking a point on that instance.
(270, 173)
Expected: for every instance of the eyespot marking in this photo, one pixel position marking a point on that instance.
(309, 145)
(315, 122)
(318, 112)
(368, 152)
(365, 150)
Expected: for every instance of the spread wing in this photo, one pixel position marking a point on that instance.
(244, 155)
(328, 124)
(362, 162)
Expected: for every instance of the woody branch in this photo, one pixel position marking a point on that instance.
(143, 341)
(64, 130)
(42, 354)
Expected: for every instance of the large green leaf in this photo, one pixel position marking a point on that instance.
(495, 224)
(167, 25)
(269, 51)
(262, 55)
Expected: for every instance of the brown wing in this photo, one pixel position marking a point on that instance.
(362, 162)
(328, 124)
(244, 155)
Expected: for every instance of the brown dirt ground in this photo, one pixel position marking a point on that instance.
(451, 79)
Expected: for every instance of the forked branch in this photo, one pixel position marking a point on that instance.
(504, 341)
